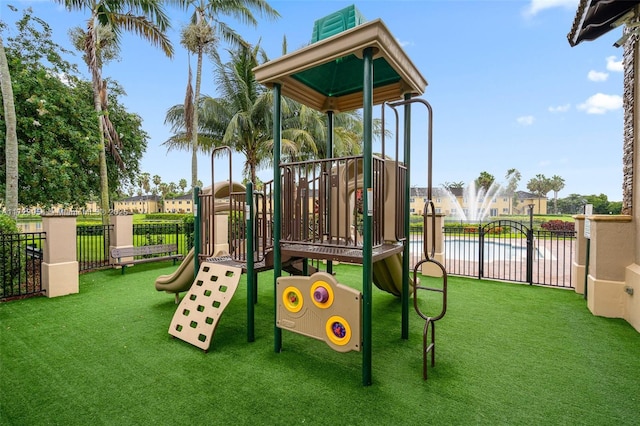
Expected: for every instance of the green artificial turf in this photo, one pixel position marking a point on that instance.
(506, 354)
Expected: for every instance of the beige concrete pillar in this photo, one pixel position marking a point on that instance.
(60, 274)
(121, 233)
(632, 296)
(428, 268)
(611, 252)
(579, 256)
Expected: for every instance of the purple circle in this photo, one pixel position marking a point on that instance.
(321, 295)
(339, 330)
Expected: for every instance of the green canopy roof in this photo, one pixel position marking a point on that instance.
(328, 75)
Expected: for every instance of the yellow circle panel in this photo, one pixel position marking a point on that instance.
(292, 299)
(338, 330)
(326, 294)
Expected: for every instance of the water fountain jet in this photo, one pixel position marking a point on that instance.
(477, 201)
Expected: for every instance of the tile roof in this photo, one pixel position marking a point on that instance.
(596, 17)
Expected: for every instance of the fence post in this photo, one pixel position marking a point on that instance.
(480, 251)
(579, 261)
(121, 234)
(60, 274)
(530, 249)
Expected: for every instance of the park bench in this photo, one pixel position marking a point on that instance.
(125, 256)
(33, 252)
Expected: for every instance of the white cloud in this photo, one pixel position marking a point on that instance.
(526, 120)
(536, 6)
(597, 76)
(613, 65)
(560, 108)
(404, 43)
(601, 103)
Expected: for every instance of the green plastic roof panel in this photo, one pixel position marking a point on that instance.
(327, 75)
(336, 22)
(344, 76)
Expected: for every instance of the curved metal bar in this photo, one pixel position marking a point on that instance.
(443, 290)
(213, 154)
(429, 346)
(429, 137)
(429, 207)
(397, 156)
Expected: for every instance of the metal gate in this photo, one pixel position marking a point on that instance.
(21, 257)
(510, 251)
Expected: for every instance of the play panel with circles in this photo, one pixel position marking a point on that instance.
(319, 307)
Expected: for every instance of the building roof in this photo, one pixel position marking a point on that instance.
(523, 195)
(148, 197)
(187, 196)
(597, 17)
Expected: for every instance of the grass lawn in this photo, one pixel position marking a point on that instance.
(506, 354)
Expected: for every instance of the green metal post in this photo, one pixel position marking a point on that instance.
(249, 219)
(367, 249)
(197, 211)
(405, 254)
(277, 211)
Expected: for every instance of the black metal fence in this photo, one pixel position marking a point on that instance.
(505, 250)
(21, 264)
(92, 242)
(148, 234)
(92, 247)
(21, 254)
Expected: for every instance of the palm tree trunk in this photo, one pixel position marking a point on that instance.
(96, 82)
(194, 135)
(11, 141)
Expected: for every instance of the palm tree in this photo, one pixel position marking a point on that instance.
(242, 117)
(147, 19)
(182, 184)
(539, 185)
(200, 37)
(11, 141)
(485, 180)
(556, 185)
(245, 108)
(513, 177)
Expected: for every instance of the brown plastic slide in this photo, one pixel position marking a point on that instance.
(387, 274)
(180, 280)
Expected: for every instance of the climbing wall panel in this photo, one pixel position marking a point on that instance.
(199, 312)
(321, 308)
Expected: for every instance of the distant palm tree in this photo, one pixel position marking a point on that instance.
(513, 177)
(556, 185)
(539, 185)
(147, 19)
(485, 180)
(200, 37)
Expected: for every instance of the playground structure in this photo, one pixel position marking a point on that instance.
(350, 209)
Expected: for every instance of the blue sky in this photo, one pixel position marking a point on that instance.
(506, 88)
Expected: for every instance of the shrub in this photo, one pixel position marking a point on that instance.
(558, 226)
(10, 253)
(189, 228)
(8, 225)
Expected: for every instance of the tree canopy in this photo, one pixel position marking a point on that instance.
(57, 124)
